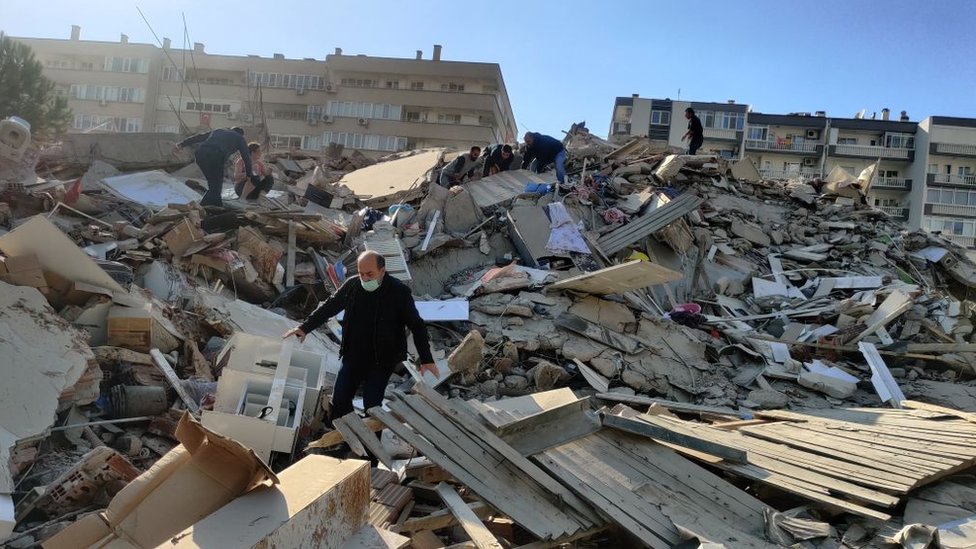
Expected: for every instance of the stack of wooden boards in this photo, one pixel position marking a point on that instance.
(858, 460)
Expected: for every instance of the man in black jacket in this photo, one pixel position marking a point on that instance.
(215, 148)
(377, 309)
(498, 158)
(542, 150)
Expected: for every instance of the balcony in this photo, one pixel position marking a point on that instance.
(959, 240)
(948, 209)
(800, 147)
(871, 151)
(789, 174)
(898, 212)
(892, 184)
(950, 179)
(952, 149)
(721, 134)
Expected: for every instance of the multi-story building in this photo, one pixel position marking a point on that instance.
(372, 104)
(946, 164)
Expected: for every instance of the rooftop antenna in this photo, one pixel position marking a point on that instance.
(679, 94)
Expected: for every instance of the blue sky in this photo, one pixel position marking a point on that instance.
(566, 61)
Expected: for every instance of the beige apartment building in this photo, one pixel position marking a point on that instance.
(927, 170)
(372, 104)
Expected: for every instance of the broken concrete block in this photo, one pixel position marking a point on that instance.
(610, 314)
(581, 348)
(466, 357)
(750, 232)
(829, 380)
(547, 375)
(516, 382)
(768, 398)
(607, 367)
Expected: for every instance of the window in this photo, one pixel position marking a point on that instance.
(287, 81)
(417, 86)
(412, 116)
(933, 168)
(126, 64)
(164, 128)
(173, 74)
(393, 84)
(286, 141)
(758, 133)
(932, 196)
(312, 142)
(207, 107)
(367, 141)
(731, 120)
(964, 171)
(360, 83)
(354, 109)
(847, 141)
(449, 118)
(899, 141)
(107, 93)
(621, 128)
(660, 118)
(453, 87)
(707, 118)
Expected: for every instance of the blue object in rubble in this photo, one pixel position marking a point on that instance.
(340, 271)
(541, 188)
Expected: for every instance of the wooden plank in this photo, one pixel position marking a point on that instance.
(496, 491)
(335, 437)
(470, 522)
(642, 521)
(649, 223)
(507, 410)
(442, 519)
(618, 279)
(598, 333)
(290, 257)
(533, 434)
(916, 405)
(594, 378)
(647, 427)
(682, 407)
(174, 381)
(550, 544)
(369, 439)
(891, 308)
(425, 539)
(482, 433)
(349, 436)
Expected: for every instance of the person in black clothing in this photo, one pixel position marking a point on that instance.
(695, 131)
(498, 158)
(377, 309)
(542, 150)
(215, 147)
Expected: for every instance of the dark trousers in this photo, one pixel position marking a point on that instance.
(351, 377)
(264, 186)
(211, 162)
(695, 145)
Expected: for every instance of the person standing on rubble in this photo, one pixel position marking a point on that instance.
(463, 165)
(498, 158)
(243, 185)
(542, 150)
(378, 308)
(695, 131)
(215, 148)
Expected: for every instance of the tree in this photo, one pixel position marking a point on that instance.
(27, 93)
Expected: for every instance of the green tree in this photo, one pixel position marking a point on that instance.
(27, 93)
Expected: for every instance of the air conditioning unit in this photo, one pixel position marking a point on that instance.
(300, 91)
(813, 134)
(231, 115)
(364, 122)
(331, 88)
(327, 119)
(247, 118)
(809, 161)
(313, 122)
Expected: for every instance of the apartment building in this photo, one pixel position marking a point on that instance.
(372, 104)
(946, 164)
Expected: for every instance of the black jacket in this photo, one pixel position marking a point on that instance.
(226, 141)
(396, 311)
(544, 147)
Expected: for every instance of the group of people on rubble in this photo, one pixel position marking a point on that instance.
(251, 177)
(537, 153)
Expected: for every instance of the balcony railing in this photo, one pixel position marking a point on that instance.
(789, 174)
(892, 183)
(953, 148)
(947, 209)
(900, 212)
(950, 179)
(870, 151)
(719, 133)
(790, 146)
(959, 240)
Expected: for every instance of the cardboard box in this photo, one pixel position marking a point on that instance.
(182, 237)
(192, 481)
(130, 327)
(22, 270)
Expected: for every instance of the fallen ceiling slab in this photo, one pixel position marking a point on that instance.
(155, 189)
(386, 183)
(495, 189)
(619, 278)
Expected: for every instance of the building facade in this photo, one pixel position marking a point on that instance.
(372, 104)
(926, 174)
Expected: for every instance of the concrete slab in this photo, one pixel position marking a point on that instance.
(155, 189)
(125, 151)
(386, 183)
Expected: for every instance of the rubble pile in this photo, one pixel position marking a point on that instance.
(664, 350)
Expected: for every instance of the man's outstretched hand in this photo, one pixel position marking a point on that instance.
(297, 332)
(430, 367)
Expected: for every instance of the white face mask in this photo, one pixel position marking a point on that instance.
(370, 285)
